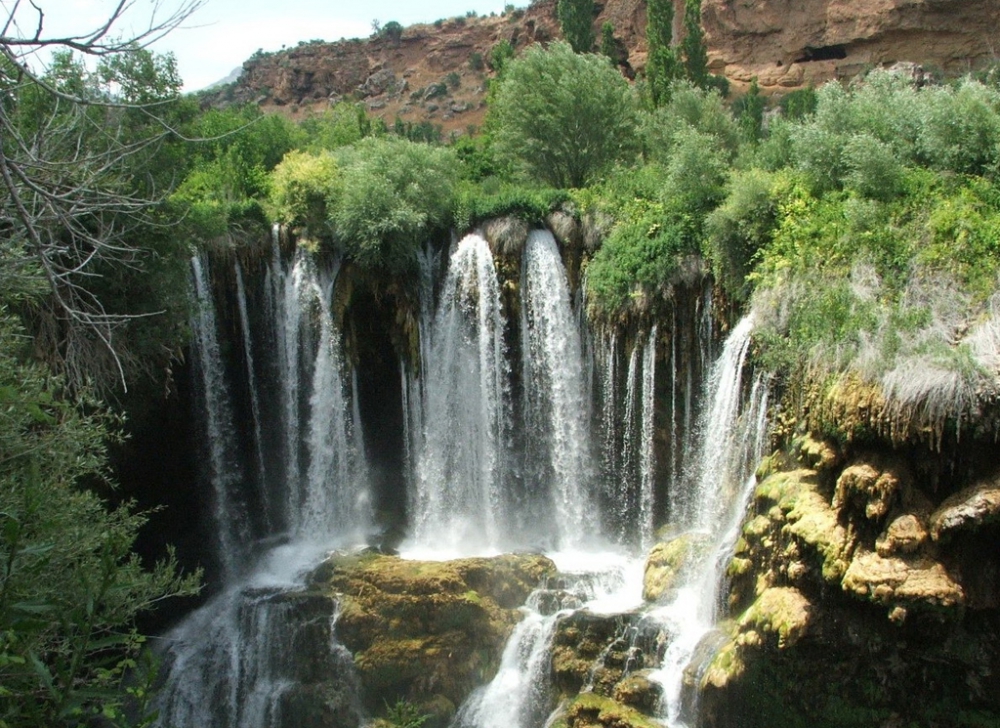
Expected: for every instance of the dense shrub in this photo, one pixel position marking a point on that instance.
(392, 195)
(301, 187)
(563, 118)
(738, 228)
(496, 199)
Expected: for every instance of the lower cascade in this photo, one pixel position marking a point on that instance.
(523, 430)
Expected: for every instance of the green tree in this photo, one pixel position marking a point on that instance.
(86, 155)
(392, 30)
(500, 54)
(662, 67)
(749, 112)
(70, 586)
(563, 118)
(576, 17)
(609, 44)
(693, 46)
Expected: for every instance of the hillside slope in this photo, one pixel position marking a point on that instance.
(437, 72)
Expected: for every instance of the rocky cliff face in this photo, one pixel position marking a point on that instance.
(791, 43)
(437, 72)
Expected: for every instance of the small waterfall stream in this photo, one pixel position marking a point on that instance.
(224, 472)
(730, 442)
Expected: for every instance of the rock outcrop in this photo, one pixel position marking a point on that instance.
(427, 633)
(788, 44)
(862, 593)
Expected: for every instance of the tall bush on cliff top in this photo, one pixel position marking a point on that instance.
(563, 118)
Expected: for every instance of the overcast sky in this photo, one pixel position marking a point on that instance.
(224, 33)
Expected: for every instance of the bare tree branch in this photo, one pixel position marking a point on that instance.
(70, 204)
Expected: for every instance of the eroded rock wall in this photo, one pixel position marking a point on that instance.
(864, 591)
(788, 44)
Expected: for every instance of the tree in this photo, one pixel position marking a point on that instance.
(393, 31)
(693, 46)
(76, 171)
(87, 154)
(563, 118)
(662, 68)
(577, 20)
(70, 586)
(609, 44)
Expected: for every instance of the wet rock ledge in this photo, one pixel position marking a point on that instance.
(426, 632)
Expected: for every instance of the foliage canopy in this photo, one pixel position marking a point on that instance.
(563, 118)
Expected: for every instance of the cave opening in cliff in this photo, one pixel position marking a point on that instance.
(824, 53)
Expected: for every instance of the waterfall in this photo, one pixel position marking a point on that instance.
(731, 439)
(557, 411)
(255, 406)
(459, 500)
(520, 695)
(249, 657)
(224, 473)
(647, 453)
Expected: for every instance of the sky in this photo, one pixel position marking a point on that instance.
(222, 34)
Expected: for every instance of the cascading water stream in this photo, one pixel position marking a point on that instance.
(730, 442)
(224, 473)
(557, 410)
(647, 453)
(251, 375)
(520, 695)
(459, 496)
(246, 659)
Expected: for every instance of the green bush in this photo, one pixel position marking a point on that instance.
(689, 108)
(71, 588)
(302, 187)
(872, 167)
(493, 198)
(740, 227)
(563, 118)
(392, 194)
(961, 128)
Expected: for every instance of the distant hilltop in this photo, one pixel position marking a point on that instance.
(436, 73)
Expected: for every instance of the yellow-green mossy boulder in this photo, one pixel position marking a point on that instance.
(903, 583)
(666, 562)
(590, 710)
(781, 614)
(873, 485)
(638, 691)
(794, 503)
(427, 632)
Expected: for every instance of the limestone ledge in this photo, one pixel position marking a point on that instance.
(427, 632)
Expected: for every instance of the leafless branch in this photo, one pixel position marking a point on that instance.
(68, 209)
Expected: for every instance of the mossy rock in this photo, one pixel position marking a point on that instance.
(427, 631)
(638, 691)
(666, 562)
(592, 711)
(781, 612)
